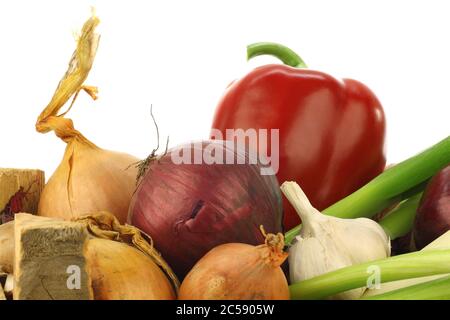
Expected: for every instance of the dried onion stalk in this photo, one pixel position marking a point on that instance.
(89, 179)
(123, 264)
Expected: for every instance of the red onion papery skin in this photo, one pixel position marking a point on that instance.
(188, 209)
(433, 215)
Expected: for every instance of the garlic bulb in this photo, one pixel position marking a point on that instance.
(328, 243)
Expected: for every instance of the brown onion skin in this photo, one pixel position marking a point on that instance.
(7, 247)
(234, 271)
(189, 209)
(121, 272)
(89, 179)
(433, 214)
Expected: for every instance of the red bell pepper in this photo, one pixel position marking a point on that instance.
(331, 132)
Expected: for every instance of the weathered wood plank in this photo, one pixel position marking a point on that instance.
(50, 259)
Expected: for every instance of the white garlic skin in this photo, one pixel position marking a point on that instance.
(328, 243)
(340, 243)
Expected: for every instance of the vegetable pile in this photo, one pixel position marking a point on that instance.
(212, 220)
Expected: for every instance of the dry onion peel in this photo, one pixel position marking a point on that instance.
(105, 226)
(7, 247)
(89, 179)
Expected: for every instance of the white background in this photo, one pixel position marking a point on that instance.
(180, 56)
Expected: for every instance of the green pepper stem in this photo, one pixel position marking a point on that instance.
(393, 185)
(400, 220)
(406, 266)
(283, 53)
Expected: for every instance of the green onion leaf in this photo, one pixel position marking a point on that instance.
(438, 289)
(406, 266)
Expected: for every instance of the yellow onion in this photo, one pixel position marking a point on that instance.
(123, 265)
(7, 247)
(131, 276)
(238, 271)
(89, 179)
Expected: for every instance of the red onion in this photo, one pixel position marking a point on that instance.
(188, 209)
(433, 214)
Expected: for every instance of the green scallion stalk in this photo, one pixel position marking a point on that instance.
(403, 180)
(406, 266)
(438, 289)
(400, 220)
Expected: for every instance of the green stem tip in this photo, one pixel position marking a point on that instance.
(438, 289)
(286, 55)
(400, 220)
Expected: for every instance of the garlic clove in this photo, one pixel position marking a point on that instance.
(9, 284)
(312, 257)
(362, 238)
